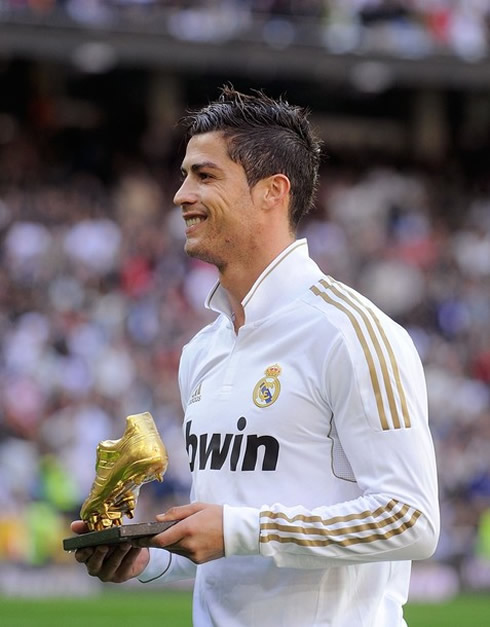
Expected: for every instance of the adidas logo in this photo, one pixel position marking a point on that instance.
(196, 395)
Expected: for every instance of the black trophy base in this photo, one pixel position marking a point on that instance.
(116, 535)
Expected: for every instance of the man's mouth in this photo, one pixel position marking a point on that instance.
(193, 221)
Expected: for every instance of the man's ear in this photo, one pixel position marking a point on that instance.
(276, 190)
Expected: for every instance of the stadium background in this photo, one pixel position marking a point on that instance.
(97, 297)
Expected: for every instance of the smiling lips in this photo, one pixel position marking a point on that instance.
(193, 220)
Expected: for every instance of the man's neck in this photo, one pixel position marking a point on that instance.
(237, 279)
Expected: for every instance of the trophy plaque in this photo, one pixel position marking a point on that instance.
(122, 466)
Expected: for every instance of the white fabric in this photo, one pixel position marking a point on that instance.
(164, 564)
(328, 475)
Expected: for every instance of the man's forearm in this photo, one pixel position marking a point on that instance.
(367, 529)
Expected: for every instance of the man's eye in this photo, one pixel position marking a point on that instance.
(204, 176)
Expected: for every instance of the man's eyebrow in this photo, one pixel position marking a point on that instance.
(195, 167)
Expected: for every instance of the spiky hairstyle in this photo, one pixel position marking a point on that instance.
(266, 137)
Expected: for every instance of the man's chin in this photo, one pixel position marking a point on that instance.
(193, 250)
(199, 252)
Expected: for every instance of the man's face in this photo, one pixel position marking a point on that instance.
(217, 204)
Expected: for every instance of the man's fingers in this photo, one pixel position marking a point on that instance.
(82, 555)
(78, 526)
(198, 536)
(95, 561)
(106, 560)
(126, 569)
(181, 512)
(172, 535)
(113, 563)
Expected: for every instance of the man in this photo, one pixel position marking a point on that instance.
(314, 480)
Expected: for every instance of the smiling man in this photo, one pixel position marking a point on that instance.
(314, 479)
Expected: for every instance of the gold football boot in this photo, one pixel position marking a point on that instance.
(121, 467)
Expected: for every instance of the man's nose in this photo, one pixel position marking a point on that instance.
(186, 194)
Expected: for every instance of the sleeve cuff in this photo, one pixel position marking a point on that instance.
(241, 529)
(159, 564)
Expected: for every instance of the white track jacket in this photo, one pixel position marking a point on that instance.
(310, 426)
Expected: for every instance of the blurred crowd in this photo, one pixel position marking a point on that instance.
(97, 299)
(408, 28)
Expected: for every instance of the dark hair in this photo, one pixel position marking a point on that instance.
(266, 137)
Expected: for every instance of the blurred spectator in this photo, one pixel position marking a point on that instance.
(407, 28)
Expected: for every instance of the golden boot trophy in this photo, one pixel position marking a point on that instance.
(122, 466)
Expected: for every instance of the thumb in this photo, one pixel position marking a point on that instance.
(79, 526)
(179, 513)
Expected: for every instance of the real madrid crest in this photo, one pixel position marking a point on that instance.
(267, 390)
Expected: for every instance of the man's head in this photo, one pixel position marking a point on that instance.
(265, 137)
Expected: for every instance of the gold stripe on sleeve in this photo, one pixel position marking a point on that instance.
(393, 361)
(339, 531)
(347, 541)
(365, 348)
(377, 348)
(331, 521)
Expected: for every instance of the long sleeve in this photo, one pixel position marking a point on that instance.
(376, 391)
(167, 567)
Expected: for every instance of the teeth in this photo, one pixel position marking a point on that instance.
(191, 221)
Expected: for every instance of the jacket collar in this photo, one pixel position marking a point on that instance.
(282, 281)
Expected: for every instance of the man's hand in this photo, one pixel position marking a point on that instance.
(111, 563)
(198, 536)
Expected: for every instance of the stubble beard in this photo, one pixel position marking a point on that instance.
(203, 254)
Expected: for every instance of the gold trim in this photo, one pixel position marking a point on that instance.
(365, 348)
(341, 531)
(348, 541)
(336, 519)
(249, 296)
(394, 364)
(274, 397)
(377, 348)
